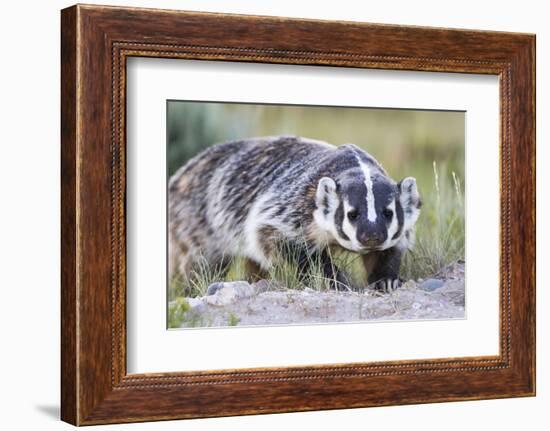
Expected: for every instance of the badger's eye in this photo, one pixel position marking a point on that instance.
(353, 214)
(388, 213)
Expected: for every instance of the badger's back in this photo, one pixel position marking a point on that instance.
(220, 200)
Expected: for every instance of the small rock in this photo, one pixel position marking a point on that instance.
(228, 293)
(431, 284)
(194, 302)
(213, 288)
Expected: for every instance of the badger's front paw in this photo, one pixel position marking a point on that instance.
(386, 285)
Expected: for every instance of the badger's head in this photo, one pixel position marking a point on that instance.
(365, 210)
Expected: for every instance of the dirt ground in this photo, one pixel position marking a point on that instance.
(243, 304)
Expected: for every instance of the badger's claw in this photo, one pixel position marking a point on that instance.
(386, 285)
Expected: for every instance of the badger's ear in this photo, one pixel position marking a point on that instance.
(410, 200)
(326, 197)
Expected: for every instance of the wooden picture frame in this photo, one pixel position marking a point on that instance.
(95, 43)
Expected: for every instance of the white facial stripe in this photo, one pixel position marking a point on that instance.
(349, 230)
(392, 228)
(371, 208)
(326, 225)
(347, 227)
(325, 216)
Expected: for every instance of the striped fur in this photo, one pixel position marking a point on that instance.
(239, 198)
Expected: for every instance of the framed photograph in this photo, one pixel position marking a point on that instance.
(263, 214)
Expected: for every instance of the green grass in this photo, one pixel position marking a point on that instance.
(440, 234)
(233, 320)
(440, 229)
(286, 271)
(177, 310)
(203, 275)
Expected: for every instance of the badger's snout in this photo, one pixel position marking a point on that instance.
(371, 239)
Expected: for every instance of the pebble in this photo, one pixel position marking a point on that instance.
(213, 288)
(227, 293)
(431, 284)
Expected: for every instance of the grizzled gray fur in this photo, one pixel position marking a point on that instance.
(241, 198)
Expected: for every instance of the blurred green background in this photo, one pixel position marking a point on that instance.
(428, 145)
(406, 142)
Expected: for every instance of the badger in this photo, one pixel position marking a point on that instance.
(240, 198)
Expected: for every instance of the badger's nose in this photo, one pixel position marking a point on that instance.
(371, 239)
